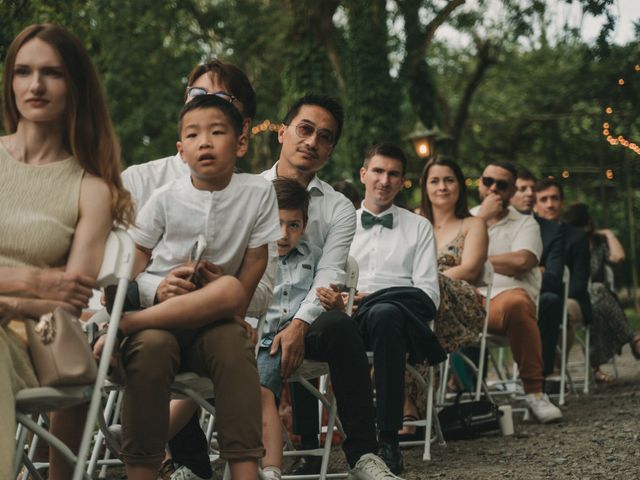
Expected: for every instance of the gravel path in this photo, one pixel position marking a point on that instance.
(599, 438)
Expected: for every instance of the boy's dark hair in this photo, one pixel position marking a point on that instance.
(330, 104)
(212, 101)
(292, 196)
(524, 174)
(233, 79)
(510, 167)
(386, 149)
(545, 183)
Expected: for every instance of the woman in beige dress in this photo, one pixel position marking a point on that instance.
(61, 194)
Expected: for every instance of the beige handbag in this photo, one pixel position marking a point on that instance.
(60, 351)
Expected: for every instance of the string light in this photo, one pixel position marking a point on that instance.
(620, 140)
(265, 126)
(565, 174)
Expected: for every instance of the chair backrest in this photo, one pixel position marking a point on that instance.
(117, 262)
(351, 282)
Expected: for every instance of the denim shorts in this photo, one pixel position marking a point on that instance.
(269, 367)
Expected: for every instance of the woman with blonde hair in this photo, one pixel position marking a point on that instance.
(61, 194)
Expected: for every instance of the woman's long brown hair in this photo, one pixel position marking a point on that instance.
(89, 133)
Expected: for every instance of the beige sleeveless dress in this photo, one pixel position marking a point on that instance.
(38, 215)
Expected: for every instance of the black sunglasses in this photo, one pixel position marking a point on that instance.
(500, 184)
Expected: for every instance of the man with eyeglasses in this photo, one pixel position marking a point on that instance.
(309, 134)
(515, 247)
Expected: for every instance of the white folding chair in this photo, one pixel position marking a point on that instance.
(116, 269)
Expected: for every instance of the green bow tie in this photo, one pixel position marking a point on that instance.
(369, 220)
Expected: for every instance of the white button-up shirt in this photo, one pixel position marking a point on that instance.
(402, 256)
(143, 179)
(515, 232)
(331, 226)
(242, 215)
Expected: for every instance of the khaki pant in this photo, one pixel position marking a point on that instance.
(221, 352)
(513, 314)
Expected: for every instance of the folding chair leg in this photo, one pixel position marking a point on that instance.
(31, 471)
(51, 440)
(443, 381)
(99, 437)
(333, 411)
(587, 361)
(19, 455)
(426, 455)
(563, 363)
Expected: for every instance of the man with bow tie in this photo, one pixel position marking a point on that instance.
(398, 289)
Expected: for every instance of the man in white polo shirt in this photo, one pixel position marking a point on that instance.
(398, 291)
(515, 246)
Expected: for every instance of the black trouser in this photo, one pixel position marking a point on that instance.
(334, 338)
(549, 321)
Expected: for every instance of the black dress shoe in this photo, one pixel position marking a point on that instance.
(307, 465)
(392, 457)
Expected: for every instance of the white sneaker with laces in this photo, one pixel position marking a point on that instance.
(185, 473)
(541, 407)
(371, 467)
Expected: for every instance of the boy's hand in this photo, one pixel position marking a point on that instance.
(175, 283)
(357, 298)
(291, 339)
(208, 272)
(330, 298)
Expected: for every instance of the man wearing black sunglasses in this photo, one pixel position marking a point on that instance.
(515, 247)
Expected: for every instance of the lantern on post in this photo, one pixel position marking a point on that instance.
(423, 140)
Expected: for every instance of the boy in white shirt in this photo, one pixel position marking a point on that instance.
(237, 213)
(398, 291)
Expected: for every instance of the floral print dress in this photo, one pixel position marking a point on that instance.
(460, 316)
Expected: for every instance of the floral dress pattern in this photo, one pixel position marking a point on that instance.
(460, 315)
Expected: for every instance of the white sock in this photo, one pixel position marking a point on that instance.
(272, 473)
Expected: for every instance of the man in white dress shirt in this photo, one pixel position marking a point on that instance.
(398, 290)
(309, 134)
(515, 247)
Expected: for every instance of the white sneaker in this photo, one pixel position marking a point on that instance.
(371, 467)
(541, 407)
(185, 473)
